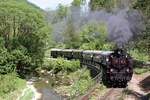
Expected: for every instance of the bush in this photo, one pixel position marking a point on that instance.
(10, 83)
(22, 61)
(6, 62)
(139, 55)
(61, 65)
(141, 70)
(94, 37)
(82, 82)
(14, 60)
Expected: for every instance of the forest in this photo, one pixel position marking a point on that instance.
(27, 33)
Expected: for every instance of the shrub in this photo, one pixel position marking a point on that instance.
(10, 83)
(6, 62)
(94, 36)
(22, 61)
(81, 84)
(15, 59)
(61, 65)
(141, 70)
(139, 55)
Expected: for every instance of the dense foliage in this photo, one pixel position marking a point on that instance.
(93, 36)
(76, 3)
(10, 86)
(60, 64)
(23, 35)
(145, 38)
(101, 4)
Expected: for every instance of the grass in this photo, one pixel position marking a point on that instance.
(139, 55)
(80, 82)
(141, 70)
(11, 86)
(28, 95)
(99, 90)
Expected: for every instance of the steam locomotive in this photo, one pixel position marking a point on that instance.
(115, 66)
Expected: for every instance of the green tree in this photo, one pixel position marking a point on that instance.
(76, 3)
(61, 11)
(101, 4)
(93, 36)
(71, 38)
(22, 25)
(144, 6)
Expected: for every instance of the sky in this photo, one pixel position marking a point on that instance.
(52, 4)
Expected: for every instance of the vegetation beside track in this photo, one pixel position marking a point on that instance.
(11, 86)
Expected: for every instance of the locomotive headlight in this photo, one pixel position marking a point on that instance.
(107, 59)
(128, 70)
(119, 52)
(111, 70)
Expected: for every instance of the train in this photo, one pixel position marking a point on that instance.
(116, 67)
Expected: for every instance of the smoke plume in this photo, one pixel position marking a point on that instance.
(123, 24)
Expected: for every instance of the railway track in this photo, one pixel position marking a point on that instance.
(86, 96)
(112, 94)
(96, 80)
(108, 95)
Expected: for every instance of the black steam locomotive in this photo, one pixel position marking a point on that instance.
(115, 66)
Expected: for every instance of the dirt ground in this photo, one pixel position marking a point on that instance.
(138, 89)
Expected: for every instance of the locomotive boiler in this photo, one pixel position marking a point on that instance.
(116, 67)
